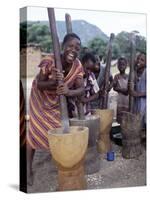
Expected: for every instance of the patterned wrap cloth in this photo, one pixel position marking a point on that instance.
(44, 105)
(22, 117)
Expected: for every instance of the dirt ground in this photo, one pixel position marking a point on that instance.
(112, 174)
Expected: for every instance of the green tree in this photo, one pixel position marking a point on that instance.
(36, 33)
(141, 43)
(123, 42)
(115, 50)
(23, 34)
(98, 45)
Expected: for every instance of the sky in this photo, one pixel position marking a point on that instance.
(108, 22)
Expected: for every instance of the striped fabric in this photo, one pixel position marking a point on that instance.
(22, 117)
(44, 105)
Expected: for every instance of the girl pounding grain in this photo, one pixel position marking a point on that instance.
(139, 91)
(44, 98)
(120, 85)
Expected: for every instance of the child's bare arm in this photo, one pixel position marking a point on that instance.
(64, 90)
(137, 94)
(118, 89)
(49, 81)
(91, 98)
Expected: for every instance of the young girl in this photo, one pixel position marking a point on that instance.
(120, 85)
(44, 98)
(99, 71)
(90, 83)
(139, 91)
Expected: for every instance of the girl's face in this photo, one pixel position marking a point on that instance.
(96, 68)
(141, 61)
(89, 66)
(122, 65)
(71, 50)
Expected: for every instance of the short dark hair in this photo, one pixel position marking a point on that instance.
(88, 56)
(142, 53)
(122, 59)
(70, 36)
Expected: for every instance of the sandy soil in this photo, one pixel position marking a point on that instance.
(118, 173)
(112, 174)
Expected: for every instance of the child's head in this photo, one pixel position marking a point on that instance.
(122, 64)
(140, 61)
(88, 62)
(71, 46)
(97, 64)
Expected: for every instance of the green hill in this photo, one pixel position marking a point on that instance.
(85, 30)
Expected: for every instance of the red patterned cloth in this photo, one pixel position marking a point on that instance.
(22, 117)
(44, 105)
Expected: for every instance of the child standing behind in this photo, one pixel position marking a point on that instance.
(139, 92)
(99, 72)
(90, 83)
(120, 85)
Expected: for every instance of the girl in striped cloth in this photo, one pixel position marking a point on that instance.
(44, 98)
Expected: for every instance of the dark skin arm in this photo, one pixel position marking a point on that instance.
(116, 88)
(51, 83)
(45, 82)
(138, 94)
(64, 90)
(91, 98)
(134, 93)
(46, 85)
(121, 90)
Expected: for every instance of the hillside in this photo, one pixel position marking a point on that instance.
(85, 30)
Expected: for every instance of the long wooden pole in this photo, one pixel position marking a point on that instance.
(79, 103)
(131, 73)
(68, 23)
(56, 48)
(107, 71)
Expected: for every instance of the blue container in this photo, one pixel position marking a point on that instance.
(110, 156)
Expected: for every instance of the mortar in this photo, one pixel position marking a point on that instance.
(92, 162)
(106, 119)
(131, 140)
(68, 151)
